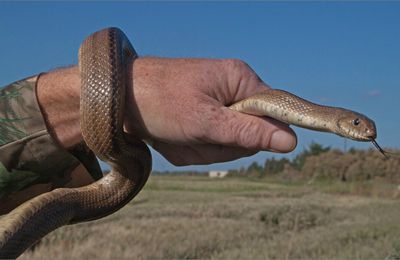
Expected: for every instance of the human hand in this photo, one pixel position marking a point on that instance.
(179, 106)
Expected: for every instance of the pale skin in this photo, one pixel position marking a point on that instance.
(179, 106)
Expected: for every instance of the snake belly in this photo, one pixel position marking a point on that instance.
(103, 58)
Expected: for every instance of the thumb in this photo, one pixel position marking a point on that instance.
(252, 132)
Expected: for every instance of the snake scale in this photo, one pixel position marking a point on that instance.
(103, 58)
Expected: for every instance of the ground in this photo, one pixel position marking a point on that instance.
(180, 217)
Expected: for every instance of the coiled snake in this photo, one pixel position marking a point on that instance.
(103, 57)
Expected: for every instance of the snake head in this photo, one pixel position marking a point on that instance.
(356, 126)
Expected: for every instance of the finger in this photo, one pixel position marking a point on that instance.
(181, 155)
(231, 128)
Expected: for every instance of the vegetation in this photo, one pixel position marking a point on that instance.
(324, 163)
(185, 217)
(322, 204)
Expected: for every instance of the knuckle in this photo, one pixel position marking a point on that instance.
(240, 73)
(210, 124)
(249, 135)
(237, 65)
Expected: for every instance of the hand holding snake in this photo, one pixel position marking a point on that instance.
(190, 120)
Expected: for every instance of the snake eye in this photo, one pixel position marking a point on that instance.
(356, 121)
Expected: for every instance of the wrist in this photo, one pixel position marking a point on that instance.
(135, 89)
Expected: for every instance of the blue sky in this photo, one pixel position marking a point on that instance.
(335, 53)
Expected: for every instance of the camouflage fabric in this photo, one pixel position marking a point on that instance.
(28, 153)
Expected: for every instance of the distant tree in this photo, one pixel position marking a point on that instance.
(275, 166)
(313, 149)
(241, 172)
(352, 150)
(233, 173)
(255, 170)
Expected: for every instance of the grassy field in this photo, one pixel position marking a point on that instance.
(237, 218)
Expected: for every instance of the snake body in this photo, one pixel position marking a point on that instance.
(103, 57)
(291, 109)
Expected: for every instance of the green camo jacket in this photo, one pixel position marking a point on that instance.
(28, 153)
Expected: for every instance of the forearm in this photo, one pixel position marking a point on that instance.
(58, 96)
(31, 161)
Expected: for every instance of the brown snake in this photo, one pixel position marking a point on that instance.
(103, 57)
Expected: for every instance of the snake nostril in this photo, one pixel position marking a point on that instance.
(369, 133)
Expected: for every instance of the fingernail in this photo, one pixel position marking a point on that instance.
(282, 141)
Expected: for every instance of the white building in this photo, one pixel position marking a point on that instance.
(217, 174)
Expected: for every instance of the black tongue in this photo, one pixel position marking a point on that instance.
(379, 148)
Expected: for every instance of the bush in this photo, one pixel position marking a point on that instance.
(354, 166)
(323, 163)
(312, 150)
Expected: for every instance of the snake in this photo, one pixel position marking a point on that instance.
(103, 60)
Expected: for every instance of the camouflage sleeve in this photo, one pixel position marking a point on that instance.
(28, 153)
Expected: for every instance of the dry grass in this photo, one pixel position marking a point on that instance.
(195, 217)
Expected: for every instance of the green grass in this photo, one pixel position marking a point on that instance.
(236, 218)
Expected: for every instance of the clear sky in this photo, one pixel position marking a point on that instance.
(335, 53)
